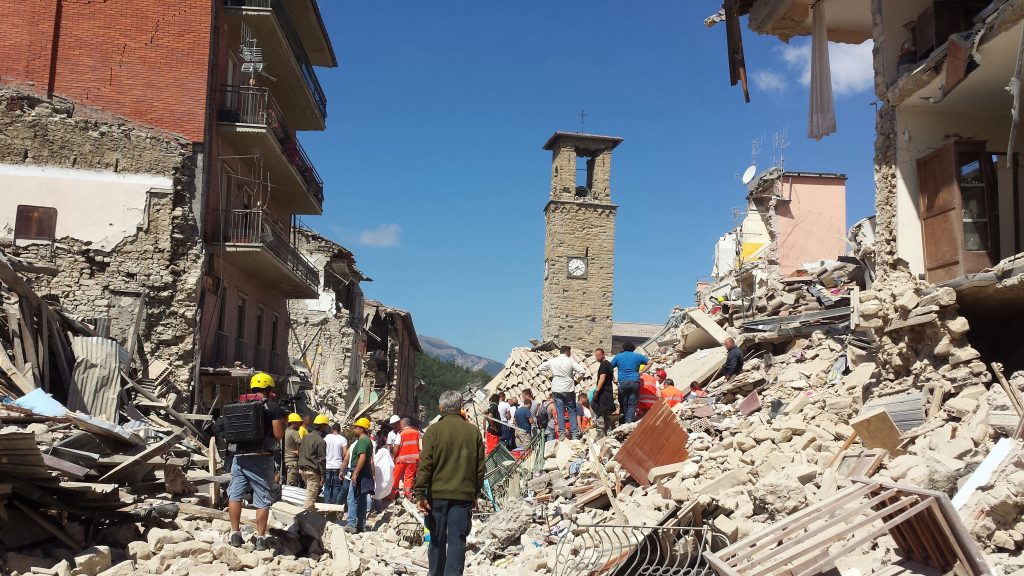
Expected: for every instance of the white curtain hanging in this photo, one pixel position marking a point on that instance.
(822, 118)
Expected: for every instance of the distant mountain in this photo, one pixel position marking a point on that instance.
(442, 350)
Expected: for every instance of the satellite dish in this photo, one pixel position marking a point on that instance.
(749, 174)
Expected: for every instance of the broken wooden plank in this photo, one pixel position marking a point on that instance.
(49, 526)
(65, 467)
(105, 429)
(19, 379)
(170, 411)
(877, 430)
(141, 459)
(910, 322)
(14, 329)
(44, 344)
(211, 455)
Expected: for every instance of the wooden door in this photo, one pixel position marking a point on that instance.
(941, 220)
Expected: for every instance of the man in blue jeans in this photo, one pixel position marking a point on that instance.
(361, 486)
(563, 370)
(449, 479)
(628, 364)
(336, 448)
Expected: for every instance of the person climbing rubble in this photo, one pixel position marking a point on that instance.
(313, 459)
(362, 483)
(628, 364)
(253, 465)
(291, 450)
(406, 458)
(492, 425)
(603, 404)
(449, 481)
(733, 360)
(696, 391)
(563, 370)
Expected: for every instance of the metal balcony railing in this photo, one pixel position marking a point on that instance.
(255, 105)
(294, 43)
(247, 105)
(250, 227)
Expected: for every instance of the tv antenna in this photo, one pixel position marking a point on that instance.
(779, 145)
(252, 56)
(751, 171)
(583, 116)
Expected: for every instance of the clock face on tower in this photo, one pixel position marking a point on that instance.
(577, 267)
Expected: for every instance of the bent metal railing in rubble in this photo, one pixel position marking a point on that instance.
(620, 550)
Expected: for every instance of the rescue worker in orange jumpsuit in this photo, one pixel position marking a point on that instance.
(671, 394)
(648, 394)
(407, 458)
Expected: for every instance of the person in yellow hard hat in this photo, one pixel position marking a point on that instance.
(307, 423)
(313, 459)
(253, 465)
(291, 450)
(362, 484)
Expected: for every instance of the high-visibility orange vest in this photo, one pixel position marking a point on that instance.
(672, 395)
(408, 445)
(648, 396)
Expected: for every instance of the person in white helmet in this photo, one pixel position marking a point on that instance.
(393, 440)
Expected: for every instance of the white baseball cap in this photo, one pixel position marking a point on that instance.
(394, 418)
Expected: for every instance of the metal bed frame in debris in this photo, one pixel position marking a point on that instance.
(505, 476)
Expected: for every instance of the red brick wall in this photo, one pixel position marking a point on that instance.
(144, 60)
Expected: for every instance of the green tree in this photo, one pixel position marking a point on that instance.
(439, 376)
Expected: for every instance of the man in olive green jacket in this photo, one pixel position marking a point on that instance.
(449, 479)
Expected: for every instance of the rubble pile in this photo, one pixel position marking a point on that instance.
(852, 392)
(887, 389)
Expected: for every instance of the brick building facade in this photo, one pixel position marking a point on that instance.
(199, 73)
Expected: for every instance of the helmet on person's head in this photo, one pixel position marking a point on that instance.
(662, 374)
(363, 423)
(261, 380)
(394, 419)
(293, 417)
(320, 420)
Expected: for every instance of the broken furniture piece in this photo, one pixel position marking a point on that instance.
(924, 525)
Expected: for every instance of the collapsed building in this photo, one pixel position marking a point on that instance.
(359, 355)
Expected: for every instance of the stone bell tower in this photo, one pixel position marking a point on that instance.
(579, 248)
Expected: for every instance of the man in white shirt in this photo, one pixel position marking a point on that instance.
(337, 448)
(392, 441)
(504, 408)
(563, 370)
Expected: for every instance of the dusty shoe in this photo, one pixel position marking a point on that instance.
(351, 529)
(261, 543)
(236, 539)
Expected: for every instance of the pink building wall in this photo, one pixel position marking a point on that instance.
(812, 225)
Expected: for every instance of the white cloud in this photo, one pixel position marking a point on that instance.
(768, 81)
(852, 66)
(383, 236)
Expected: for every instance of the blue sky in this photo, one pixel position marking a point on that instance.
(436, 179)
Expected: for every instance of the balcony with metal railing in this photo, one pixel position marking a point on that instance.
(250, 121)
(285, 59)
(250, 243)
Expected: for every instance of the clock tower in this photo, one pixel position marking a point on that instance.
(579, 247)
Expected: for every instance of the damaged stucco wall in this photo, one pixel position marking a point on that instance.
(155, 248)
